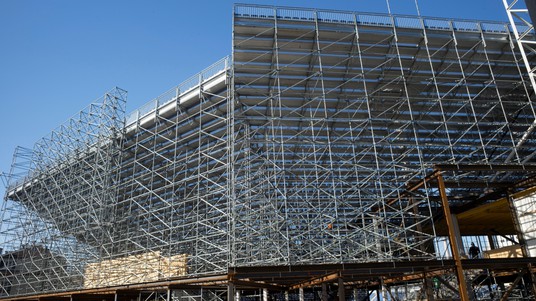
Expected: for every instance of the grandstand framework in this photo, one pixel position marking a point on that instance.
(334, 154)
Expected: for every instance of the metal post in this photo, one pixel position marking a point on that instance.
(324, 296)
(383, 290)
(452, 238)
(342, 296)
(230, 291)
(491, 242)
(517, 226)
(428, 287)
(302, 297)
(456, 232)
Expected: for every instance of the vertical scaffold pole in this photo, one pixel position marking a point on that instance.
(230, 291)
(341, 292)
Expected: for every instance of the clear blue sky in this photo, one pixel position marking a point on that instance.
(57, 56)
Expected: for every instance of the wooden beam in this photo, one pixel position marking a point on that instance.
(464, 296)
(511, 288)
(93, 297)
(316, 281)
(257, 284)
(219, 279)
(412, 188)
(55, 298)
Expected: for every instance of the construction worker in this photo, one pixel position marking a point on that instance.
(474, 251)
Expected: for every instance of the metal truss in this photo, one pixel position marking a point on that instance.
(338, 112)
(174, 196)
(523, 30)
(303, 149)
(59, 216)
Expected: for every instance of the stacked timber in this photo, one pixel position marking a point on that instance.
(139, 268)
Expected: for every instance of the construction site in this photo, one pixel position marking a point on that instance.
(332, 156)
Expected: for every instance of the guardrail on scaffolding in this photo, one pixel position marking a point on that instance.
(194, 81)
(373, 19)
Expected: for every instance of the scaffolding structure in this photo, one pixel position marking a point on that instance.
(329, 144)
(58, 216)
(338, 112)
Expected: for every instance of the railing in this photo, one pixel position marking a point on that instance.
(170, 95)
(374, 19)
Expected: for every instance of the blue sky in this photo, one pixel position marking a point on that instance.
(57, 56)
